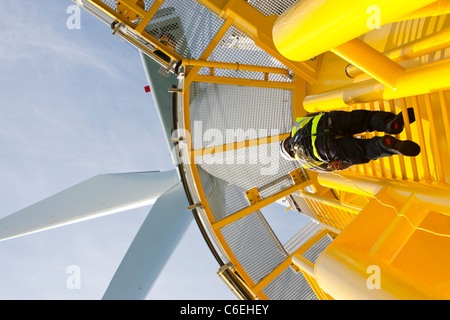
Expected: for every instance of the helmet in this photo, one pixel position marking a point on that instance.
(284, 150)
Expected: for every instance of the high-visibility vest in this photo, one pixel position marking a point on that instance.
(307, 161)
(300, 123)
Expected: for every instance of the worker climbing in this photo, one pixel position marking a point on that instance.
(325, 141)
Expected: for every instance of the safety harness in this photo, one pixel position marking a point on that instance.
(303, 142)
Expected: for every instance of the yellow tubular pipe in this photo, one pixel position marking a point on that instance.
(370, 61)
(311, 27)
(436, 198)
(303, 264)
(342, 271)
(420, 80)
(435, 9)
(432, 43)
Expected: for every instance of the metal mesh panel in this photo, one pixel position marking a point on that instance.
(255, 246)
(271, 7)
(244, 113)
(231, 180)
(223, 197)
(289, 285)
(188, 24)
(317, 248)
(257, 112)
(237, 47)
(110, 3)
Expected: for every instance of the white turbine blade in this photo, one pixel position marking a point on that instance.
(101, 195)
(151, 248)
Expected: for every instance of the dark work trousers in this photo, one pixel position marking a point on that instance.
(344, 147)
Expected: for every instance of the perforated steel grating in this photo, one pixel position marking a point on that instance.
(237, 47)
(254, 245)
(271, 7)
(246, 168)
(190, 26)
(289, 285)
(222, 113)
(110, 3)
(316, 249)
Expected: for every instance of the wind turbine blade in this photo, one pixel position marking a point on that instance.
(101, 195)
(151, 248)
(163, 100)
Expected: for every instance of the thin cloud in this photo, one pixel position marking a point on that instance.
(31, 39)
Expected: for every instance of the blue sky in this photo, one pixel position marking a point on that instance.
(73, 106)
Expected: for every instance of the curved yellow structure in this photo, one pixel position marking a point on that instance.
(312, 27)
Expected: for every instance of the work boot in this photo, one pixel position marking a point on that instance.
(394, 146)
(395, 126)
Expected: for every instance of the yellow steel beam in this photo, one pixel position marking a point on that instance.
(259, 27)
(246, 82)
(445, 118)
(107, 9)
(237, 145)
(428, 44)
(298, 95)
(407, 129)
(272, 275)
(132, 9)
(422, 142)
(435, 140)
(419, 80)
(261, 204)
(369, 60)
(434, 9)
(330, 202)
(192, 73)
(148, 15)
(234, 66)
(304, 264)
(436, 198)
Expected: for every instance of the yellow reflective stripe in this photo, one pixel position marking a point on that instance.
(300, 122)
(294, 130)
(303, 163)
(313, 136)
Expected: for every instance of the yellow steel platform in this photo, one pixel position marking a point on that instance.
(377, 231)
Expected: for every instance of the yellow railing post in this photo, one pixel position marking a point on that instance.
(428, 44)
(369, 60)
(419, 80)
(261, 204)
